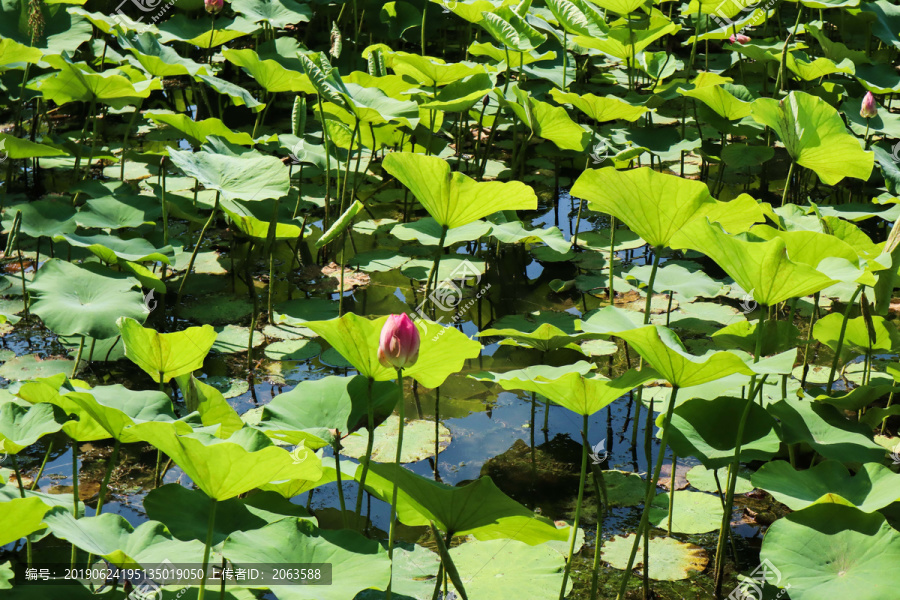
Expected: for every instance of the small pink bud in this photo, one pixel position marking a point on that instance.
(869, 108)
(739, 38)
(213, 7)
(399, 343)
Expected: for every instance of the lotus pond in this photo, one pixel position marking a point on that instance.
(482, 299)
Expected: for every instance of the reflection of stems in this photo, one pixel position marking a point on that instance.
(574, 531)
(648, 498)
(370, 427)
(401, 410)
(197, 249)
(104, 486)
(209, 534)
(74, 491)
(840, 342)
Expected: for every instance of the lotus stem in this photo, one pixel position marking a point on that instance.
(433, 274)
(15, 463)
(840, 342)
(74, 492)
(656, 252)
(437, 429)
(612, 257)
(573, 533)
(401, 410)
(37, 478)
(782, 77)
(599, 491)
(787, 183)
(111, 464)
(672, 493)
(336, 444)
(197, 249)
(78, 356)
(370, 427)
(209, 534)
(325, 141)
(648, 498)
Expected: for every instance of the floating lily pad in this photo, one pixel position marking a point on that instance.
(31, 366)
(287, 332)
(702, 478)
(217, 310)
(231, 339)
(670, 560)
(624, 488)
(333, 358)
(228, 386)
(301, 349)
(418, 441)
(695, 512)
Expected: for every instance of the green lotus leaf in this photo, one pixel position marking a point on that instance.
(14, 53)
(588, 395)
(158, 59)
(418, 441)
(340, 224)
(657, 206)
(21, 517)
(511, 30)
(622, 43)
(461, 95)
(277, 13)
(515, 58)
(112, 538)
(54, 390)
(252, 218)
(200, 32)
(764, 268)
(887, 21)
(725, 104)
(670, 560)
(856, 399)
(826, 429)
(695, 512)
(600, 108)
(41, 217)
(361, 562)
(16, 148)
(296, 313)
(244, 175)
(166, 355)
(533, 375)
(117, 408)
(703, 429)
(427, 232)
(112, 212)
(421, 500)
(676, 277)
(21, 426)
(198, 131)
(111, 248)
(833, 551)
(78, 82)
(225, 468)
(809, 69)
(454, 199)
(856, 337)
(62, 30)
(778, 336)
(239, 96)
(188, 521)
(270, 74)
(546, 121)
(815, 136)
(84, 300)
(705, 479)
(372, 105)
(873, 487)
(878, 78)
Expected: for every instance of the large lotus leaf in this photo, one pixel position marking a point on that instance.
(624, 43)
(119, 212)
(511, 30)
(12, 52)
(762, 267)
(16, 148)
(600, 108)
(440, 354)
(670, 560)
(62, 31)
(587, 395)
(112, 538)
(117, 408)
(372, 106)
(826, 429)
(41, 217)
(545, 338)
(532, 376)
(21, 426)
(225, 468)
(887, 21)
(357, 563)
(198, 131)
(676, 277)
(111, 248)
(277, 13)
(834, 551)
(20, 517)
(854, 400)
(461, 95)
(200, 32)
(270, 74)
(84, 300)
(418, 441)
(78, 82)
(239, 96)
(211, 404)
(873, 487)
(725, 104)
(827, 330)
(166, 355)
(247, 175)
(663, 350)
(707, 430)
(512, 231)
(808, 68)
(427, 232)
(815, 136)
(158, 59)
(547, 121)
(51, 390)
(420, 500)
(778, 336)
(186, 512)
(653, 205)
(296, 313)
(454, 199)
(252, 218)
(509, 569)
(695, 512)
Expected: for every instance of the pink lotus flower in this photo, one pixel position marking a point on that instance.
(213, 7)
(869, 108)
(739, 38)
(399, 343)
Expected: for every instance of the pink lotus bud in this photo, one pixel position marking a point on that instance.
(739, 38)
(399, 343)
(213, 7)
(869, 108)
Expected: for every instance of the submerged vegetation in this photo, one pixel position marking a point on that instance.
(305, 299)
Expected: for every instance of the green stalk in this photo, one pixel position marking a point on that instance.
(37, 478)
(840, 342)
(209, 534)
(779, 80)
(110, 465)
(656, 252)
(648, 498)
(340, 485)
(15, 463)
(612, 256)
(437, 260)
(573, 533)
(401, 409)
(602, 501)
(672, 493)
(325, 141)
(78, 356)
(197, 249)
(74, 492)
(370, 427)
(787, 183)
